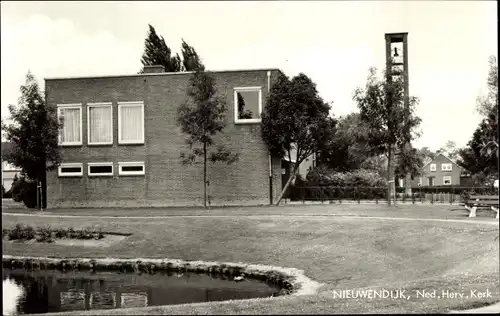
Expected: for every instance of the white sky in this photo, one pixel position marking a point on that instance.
(332, 42)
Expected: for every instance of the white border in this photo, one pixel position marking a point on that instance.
(130, 104)
(70, 165)
(71, 106)
(131, 173)
(99, 105)
(105, 164)
(235, 104)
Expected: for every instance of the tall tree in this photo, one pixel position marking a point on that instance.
(391, 124)
(156, 52)
(33, 133)
(201, 117)
(296, 117)
(190, 58)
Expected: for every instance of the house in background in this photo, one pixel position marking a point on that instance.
(8, 170)
(304, 168)
(120, 143)
(439, 171)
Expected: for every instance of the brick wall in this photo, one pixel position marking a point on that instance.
(166, 182)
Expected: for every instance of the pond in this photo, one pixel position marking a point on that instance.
(48, 291)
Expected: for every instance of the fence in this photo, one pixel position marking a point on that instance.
(441, 194)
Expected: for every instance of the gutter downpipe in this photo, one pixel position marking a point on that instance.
(270, 158)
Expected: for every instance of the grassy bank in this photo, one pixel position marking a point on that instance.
(341, 252)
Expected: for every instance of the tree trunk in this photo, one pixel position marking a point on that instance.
(389, 175)
(292, 176)
(205, 175)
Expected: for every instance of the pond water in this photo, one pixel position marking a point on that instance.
(47, 291)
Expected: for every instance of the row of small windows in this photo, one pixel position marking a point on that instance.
(444, 167)
(247, 109)
(101, 169)
(100, 123)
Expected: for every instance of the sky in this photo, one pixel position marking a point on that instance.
(333, 42)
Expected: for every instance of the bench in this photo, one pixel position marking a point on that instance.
(475, 201)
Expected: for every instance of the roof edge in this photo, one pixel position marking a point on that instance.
(160, 74)
(441, 154)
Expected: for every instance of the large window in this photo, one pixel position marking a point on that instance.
(447, 180)
(100, 123)
(247, 104)
(446, 167)
(70, 116)
(71, 169)
(131, 123)
(97, 169)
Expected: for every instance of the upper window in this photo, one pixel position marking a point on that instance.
(247, 104)
(131, 123)
(433, 167)
(100, 169)
(446, 167)
(71, 169)
(100, 123)
(70, 116)
(447, 180)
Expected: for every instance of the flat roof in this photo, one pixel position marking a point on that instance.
(160, 74)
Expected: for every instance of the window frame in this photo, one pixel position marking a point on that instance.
(444, 180)
(99, 164)
(433, 169)
(70, 165)
(235, 102)
(129, 164)
(446, 164)
(99, 105)
(70, 106)
(130, 104)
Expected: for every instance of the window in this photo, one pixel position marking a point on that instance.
(447, 180)
(247, 104)
(71, 170)
(100, 123)
(100, 169)
(433, 167)
(446, 167)
(131, 168)
(131, 123)
(70, 116)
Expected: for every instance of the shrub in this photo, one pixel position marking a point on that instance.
(46, 234)
(25, 191)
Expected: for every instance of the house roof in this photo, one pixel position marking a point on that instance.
(444, 157)
(161, 74)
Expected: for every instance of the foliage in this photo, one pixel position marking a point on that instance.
(156, 52)
(296, 117)
(47, 234)
(201, 117)
(242, 113)
(24, 190)
(33, 134)
(391, 124)
(322, 176)
(408, 161)
(190, 59)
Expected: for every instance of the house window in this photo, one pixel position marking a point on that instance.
(247, 104)
(447, 180)
(131, 168)
(420, 181)
(71, 170)
(433, 167)
(131, 123)
(446, 167)
(100, 123)
(97, 169)
(70, 116)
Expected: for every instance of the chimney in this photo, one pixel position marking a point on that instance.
(153, 69)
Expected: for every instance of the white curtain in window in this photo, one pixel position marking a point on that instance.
(100, 124)
(131, 123)
(71, 126)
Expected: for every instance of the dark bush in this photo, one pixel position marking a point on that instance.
(24, 191)
(46, 234)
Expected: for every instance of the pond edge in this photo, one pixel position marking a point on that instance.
(293, 279)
